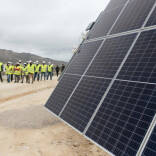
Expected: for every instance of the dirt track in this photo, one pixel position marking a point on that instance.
(27, 129)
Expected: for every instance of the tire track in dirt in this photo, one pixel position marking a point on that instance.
(23, 94)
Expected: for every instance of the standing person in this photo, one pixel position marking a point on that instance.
(1, 70)
(50, 71)
(8, 69)
(12, 71)
(21, 65)
(24, 72)
(37, 71)
(62, 68)
(31, 71)
(57, 70)
(27, 73)
(43, 70)
(17, 72)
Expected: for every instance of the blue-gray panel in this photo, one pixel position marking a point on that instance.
(124, 117)
(141, 63)
(62, 92)
(111, 55)
(152, 19)
(104, 23)
(114, 4)
(133, 16)
(83, 58)
(150, 149)
(84, 101)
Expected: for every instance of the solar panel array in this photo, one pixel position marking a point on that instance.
(108, 91)
(150, 148)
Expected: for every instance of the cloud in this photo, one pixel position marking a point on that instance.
(50, 28)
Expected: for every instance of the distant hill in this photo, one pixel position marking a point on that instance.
(11, 56)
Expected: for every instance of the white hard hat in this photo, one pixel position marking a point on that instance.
(43, 62)
(30, 61)
(36, 61)
(19, 61)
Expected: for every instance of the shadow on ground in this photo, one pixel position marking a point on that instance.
(33, 117)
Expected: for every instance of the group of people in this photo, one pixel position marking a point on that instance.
(29, 71)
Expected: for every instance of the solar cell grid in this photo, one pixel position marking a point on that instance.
(141, 63)
(104, 23)
(152, 19)
(110, 56)
(150, 149)
(84, 101)
(115, 3)
(63, 90)
(124, 117)
(83, 58)
(133, 16)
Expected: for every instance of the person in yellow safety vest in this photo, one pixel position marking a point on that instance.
(17, 72)
(12, 72)
(8, 69)
(43, 70)
(24, 73)
(27, 73)
(21, 65)
(1, 70)
(50, 71)
(37, 71)
(31, 71)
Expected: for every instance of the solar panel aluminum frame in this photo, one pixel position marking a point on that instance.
(58, 117)
(82, 76)
(143, 28)
(119, 69)
(112, 82)
(108, 36)
(122, 10)
(94, 56)
(147, 137)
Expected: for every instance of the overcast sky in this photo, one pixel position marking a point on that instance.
(49, 28)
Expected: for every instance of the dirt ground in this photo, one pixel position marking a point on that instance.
(27, 129)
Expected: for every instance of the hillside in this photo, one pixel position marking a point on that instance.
(11, 56)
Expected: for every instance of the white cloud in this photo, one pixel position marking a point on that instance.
(50, 27)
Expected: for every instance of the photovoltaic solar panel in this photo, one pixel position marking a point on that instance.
(84, 101)
(152, 19)
(141, 63)
(62, 92)
(150, 149)
(124, 117)
(83, 58)
(114, 4)
(133, 16)
(108, 91)
(110, 56)
(104, 23)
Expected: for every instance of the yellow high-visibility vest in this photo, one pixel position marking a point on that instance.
(50, 68)
(12, 69)
(25, 70)
(8, 69)
(31, 68)
(43, 68)
(17, 70)
(1, 65)
(37, 68)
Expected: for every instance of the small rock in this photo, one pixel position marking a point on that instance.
(76, 144)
